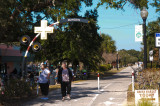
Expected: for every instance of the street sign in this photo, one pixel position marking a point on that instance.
(151, 52)
(43, 29)
(138, 33)
(157, 39)
(74, 20)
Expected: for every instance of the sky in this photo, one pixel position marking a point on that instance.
(120, 25)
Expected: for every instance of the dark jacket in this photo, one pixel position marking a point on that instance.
(60, 75)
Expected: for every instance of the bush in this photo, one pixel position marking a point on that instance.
(103, 68)
(148, 79)
(145, 103)
(15, 89)
(154, 65)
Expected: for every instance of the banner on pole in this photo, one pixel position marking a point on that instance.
(138, 33)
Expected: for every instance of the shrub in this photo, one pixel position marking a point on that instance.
(103, 68)
(145, 103)
(148, 79)
(15, 89)
(154, 65)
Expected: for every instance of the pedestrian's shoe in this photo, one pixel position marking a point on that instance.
(68, 97)
(62, 98)
(45, 98)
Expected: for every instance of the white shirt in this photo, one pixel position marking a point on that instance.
(43, 76)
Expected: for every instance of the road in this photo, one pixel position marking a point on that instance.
(113, 92)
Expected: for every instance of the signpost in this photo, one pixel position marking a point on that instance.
(138, 33)
(147, 95)
(151, 56)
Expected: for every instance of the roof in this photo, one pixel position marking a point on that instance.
(9, 51)
(110, 57)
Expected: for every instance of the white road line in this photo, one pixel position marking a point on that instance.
(93, 99)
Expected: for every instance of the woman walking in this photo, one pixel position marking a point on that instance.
(65, 78)
(44, 81)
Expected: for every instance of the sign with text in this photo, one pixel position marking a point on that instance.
(149, 95)
(74, 20)
(157, 39)
(138, 33)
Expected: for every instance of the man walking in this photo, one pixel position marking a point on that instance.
(65, 78)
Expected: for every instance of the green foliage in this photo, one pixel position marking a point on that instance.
(128, 56)
(119, 4)
(75, 42)
(145, 103)
(107, 45)
(18, 17)
(13, 89)
(156, 4)
(154, 65)
(104, 68)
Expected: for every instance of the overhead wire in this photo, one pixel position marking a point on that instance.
(129, 24)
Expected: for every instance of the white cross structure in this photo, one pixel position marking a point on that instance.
(43, 29)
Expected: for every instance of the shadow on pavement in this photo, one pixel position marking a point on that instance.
(117, 76)
(55, 96)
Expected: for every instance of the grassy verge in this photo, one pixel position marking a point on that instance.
(106, 73)
(54, 87)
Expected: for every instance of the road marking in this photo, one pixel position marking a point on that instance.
(107, 103)
(111, 98)
(93, 99)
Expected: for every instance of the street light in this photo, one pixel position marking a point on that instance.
(144, 15)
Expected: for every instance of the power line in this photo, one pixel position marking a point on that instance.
(128, 24)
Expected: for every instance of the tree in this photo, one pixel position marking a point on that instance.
(107, 45)
(128, 56)
(18, 17)
(119, 4)
(75, 42)
(152, 28)
(157, 5)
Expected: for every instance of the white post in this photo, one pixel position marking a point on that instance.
(133, 81)
(37, 86)
(98, 82)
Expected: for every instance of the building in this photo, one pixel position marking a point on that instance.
(110, 58)
(10, 59)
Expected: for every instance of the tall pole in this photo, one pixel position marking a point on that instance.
(117, 60)
(145, 43)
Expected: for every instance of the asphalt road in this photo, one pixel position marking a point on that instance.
(113, 92)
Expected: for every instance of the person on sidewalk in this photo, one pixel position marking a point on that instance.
(56, 76)
(44, 81)
(65, 78)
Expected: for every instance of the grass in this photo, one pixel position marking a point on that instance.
(106, 73)
(54, 87)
